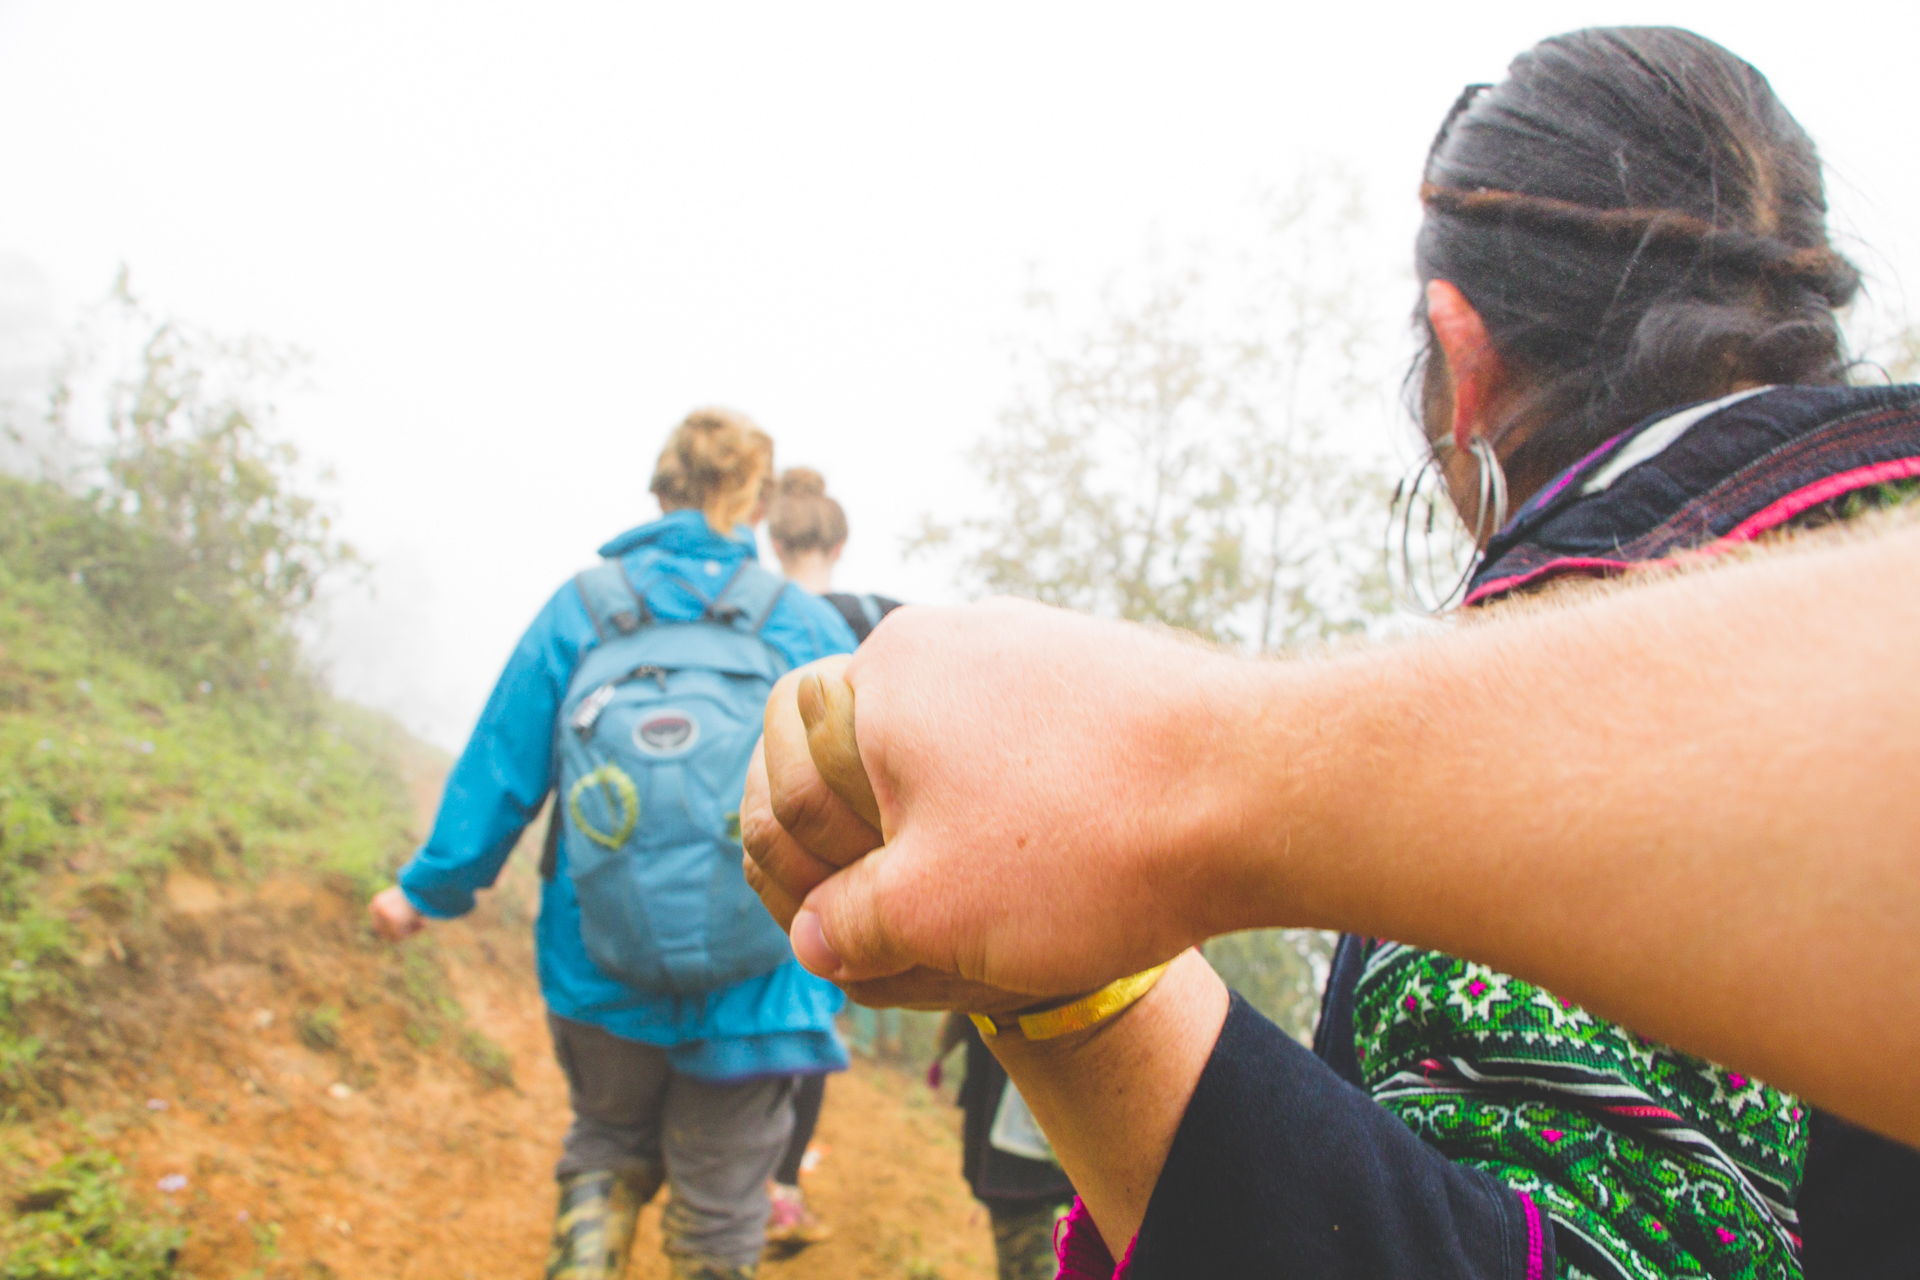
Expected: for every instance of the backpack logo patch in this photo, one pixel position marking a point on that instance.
(666, 733)
(613, 798)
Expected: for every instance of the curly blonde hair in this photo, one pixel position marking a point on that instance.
(713, 454)
(802, 517)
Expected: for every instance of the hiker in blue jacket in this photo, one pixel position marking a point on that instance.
(677, 1010)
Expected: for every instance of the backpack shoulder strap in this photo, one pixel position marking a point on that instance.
(863, 613)
(749, 597)
(854, 611)
(614, 606)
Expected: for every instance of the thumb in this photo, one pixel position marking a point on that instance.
(843, 930)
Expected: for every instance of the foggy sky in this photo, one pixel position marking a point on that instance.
(521, 241)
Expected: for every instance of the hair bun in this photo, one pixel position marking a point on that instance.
(802, 482)
(802, 517)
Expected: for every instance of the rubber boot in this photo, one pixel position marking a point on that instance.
(706, 1269)
(683, 1262)
(593, 1227)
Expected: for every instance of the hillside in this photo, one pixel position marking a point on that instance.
(210, 1068)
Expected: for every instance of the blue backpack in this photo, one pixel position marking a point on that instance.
(655, 733)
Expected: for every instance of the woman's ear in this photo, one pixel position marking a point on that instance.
(1479, 375)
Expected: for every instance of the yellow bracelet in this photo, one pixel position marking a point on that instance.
(1085, 1012)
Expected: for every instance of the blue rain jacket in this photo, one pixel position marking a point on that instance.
(777, 1023)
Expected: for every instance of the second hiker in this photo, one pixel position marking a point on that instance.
(676, 1007)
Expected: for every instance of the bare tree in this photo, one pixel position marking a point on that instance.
(1178, 460)
(1175, 460)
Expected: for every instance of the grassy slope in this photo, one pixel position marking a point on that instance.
(208, 1066)
(112, 777)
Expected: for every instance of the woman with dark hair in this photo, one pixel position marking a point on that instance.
(1629, 298)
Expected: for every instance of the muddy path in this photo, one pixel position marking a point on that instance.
(310, 1127)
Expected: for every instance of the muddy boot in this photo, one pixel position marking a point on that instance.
(704, 1269)
(683, 1263)
(593, 1229)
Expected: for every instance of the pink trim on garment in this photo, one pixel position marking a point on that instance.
(1824, 490)
(1083, 1254)
(1772, 516)
(1536, 1239)
(1517, 580)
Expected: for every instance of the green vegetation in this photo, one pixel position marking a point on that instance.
(319, 1029)
(156, 721)
(153, 709)
(1179, 450)
(190, 528)
(479, 1051)
(73, 1220)
(114, 769)
(1281, 972)
(1176, 452)
(419, 979)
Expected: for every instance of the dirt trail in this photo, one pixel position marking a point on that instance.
(378, 1156)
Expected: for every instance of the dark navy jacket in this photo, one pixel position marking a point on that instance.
(1283, 1164)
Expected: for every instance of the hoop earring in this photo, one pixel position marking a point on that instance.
(1416, 517)
(1493, 486)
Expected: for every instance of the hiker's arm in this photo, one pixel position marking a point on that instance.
(1251, 1157)
(502, 776)
(1111, 1098)
(1688, 807)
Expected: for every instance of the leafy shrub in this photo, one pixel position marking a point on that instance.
(111, 772)
(192, 530)
(74, 1220)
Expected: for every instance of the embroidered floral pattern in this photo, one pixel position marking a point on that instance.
(1652, 1164)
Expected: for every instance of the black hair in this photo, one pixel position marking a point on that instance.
(1640, 223)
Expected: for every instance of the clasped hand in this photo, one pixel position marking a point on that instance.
(1037, 824)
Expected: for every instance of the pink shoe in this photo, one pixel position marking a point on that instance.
(792, 1226)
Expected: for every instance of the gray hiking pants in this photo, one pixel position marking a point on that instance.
(719, 1142)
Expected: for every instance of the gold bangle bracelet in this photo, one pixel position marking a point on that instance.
(1087, 1011)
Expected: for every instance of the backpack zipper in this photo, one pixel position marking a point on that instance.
(588, 712)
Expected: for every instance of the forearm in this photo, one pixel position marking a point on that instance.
(1269, 1161)
(505, 771)
(1111, 1099)
(488, 801)
(1675, 806)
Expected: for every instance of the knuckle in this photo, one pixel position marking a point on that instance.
(802, 808)
(759, 830)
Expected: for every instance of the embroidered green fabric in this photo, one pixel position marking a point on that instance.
(1652, 1164)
